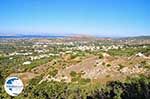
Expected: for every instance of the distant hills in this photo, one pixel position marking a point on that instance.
(8, 34)
(13, 35)
(136, 37)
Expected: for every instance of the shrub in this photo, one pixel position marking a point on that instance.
(108, 65)
(73, 73)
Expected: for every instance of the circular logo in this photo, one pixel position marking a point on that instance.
(13, 86)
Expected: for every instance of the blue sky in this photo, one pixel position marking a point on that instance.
(94, 17)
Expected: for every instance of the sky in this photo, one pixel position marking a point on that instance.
(64, 17)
